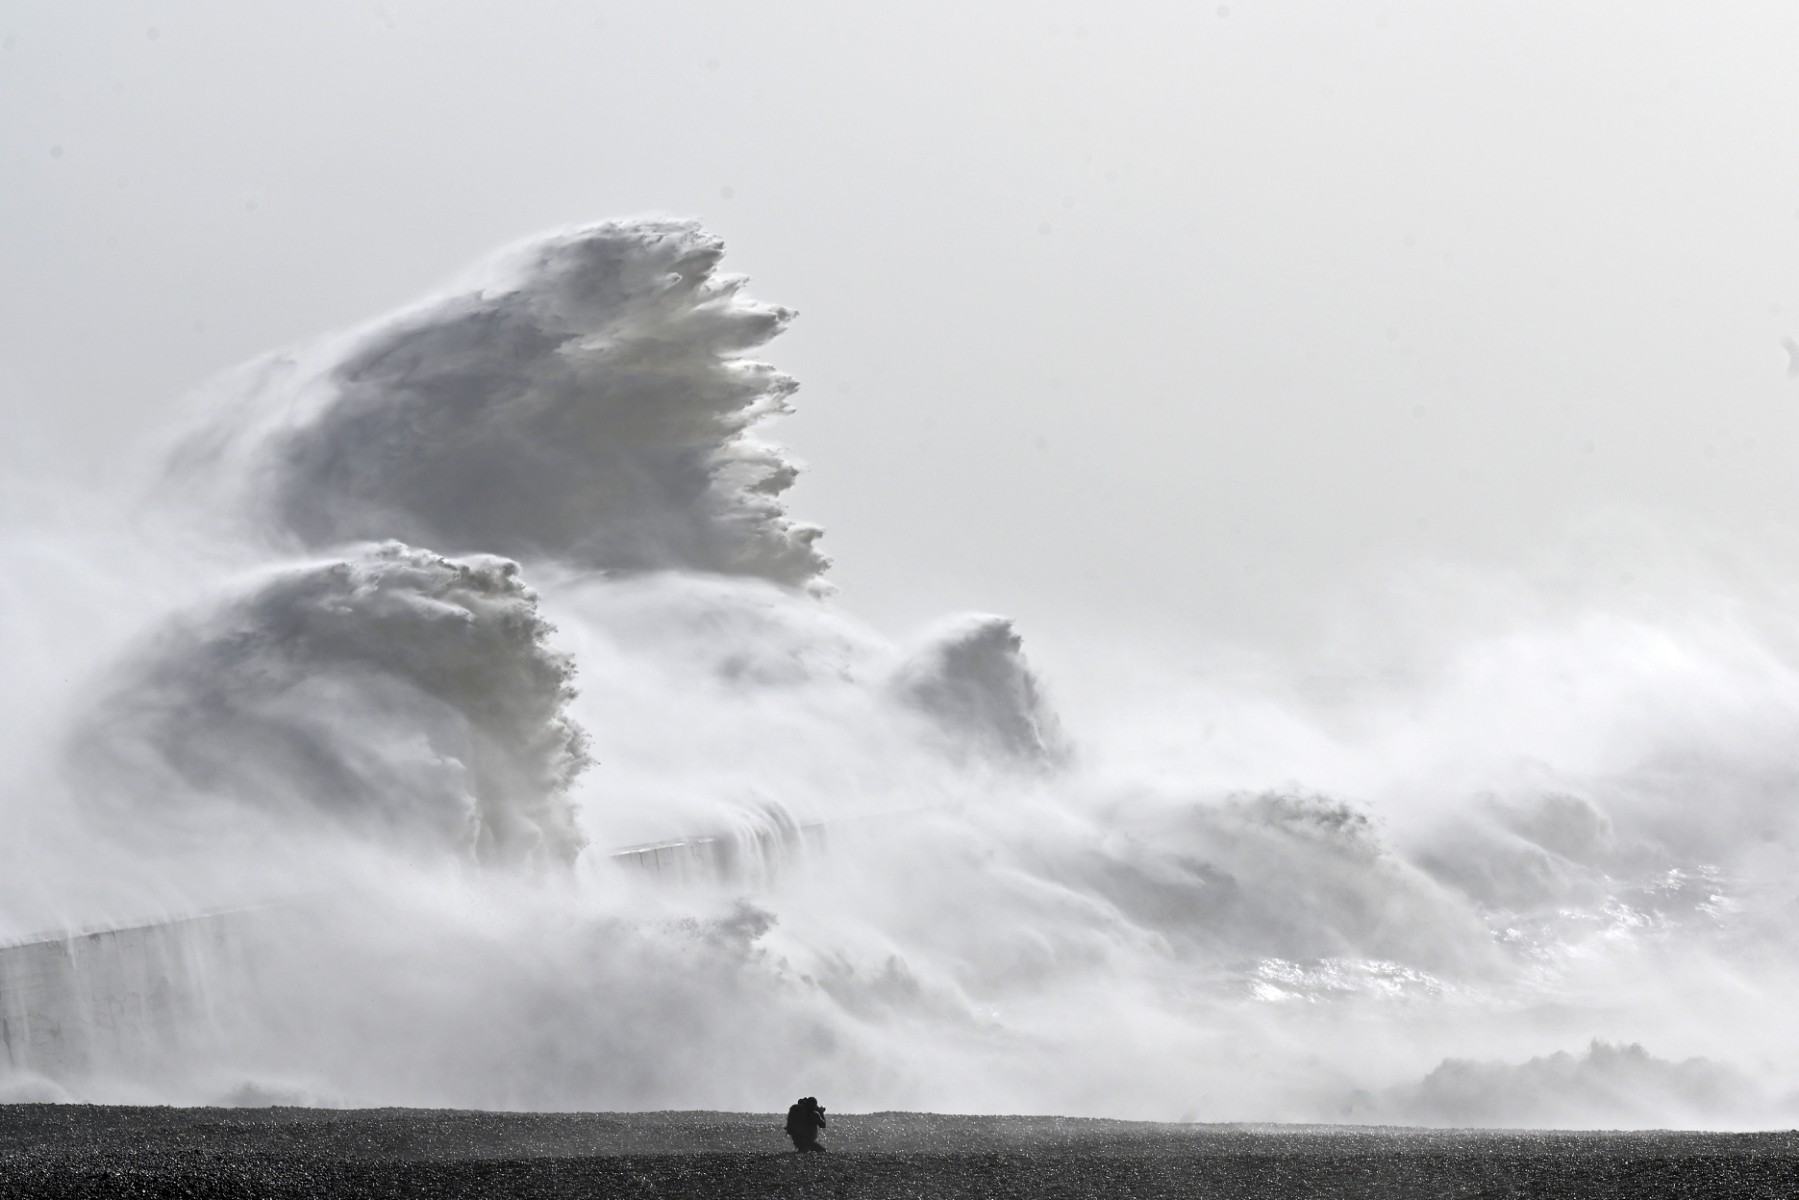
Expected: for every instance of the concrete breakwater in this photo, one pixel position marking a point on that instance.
(119, 999)
(73, 1002)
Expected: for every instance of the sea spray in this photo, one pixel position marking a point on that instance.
(344, 683)
(971, 679)
(406, 695)
(585, 398)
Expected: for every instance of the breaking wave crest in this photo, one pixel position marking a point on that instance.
(394, 692)
(586, 399)
(971, 679)
(1598, 1087)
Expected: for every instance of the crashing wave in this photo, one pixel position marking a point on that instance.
(1568, 822)
(971, 679)
(1609, 1086)
(590, 402)
(395, 690)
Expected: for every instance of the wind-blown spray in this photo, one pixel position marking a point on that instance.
(400, 694)
(585, 400)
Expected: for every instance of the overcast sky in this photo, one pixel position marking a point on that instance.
(1160, 316)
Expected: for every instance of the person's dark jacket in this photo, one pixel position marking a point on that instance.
(804, 1123)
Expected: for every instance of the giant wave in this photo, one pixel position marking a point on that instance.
(478, 602)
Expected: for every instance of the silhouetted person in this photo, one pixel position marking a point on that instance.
(805, 1121)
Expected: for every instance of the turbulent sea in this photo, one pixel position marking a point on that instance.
(461, 719)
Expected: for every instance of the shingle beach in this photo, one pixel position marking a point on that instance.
(80, 1150)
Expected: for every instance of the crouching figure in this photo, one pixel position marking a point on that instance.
(805, 1121)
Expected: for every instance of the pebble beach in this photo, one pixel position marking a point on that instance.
(67, 1150)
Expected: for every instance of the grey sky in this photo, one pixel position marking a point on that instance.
(1166, 314)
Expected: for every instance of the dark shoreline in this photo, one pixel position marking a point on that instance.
(86, 1150)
